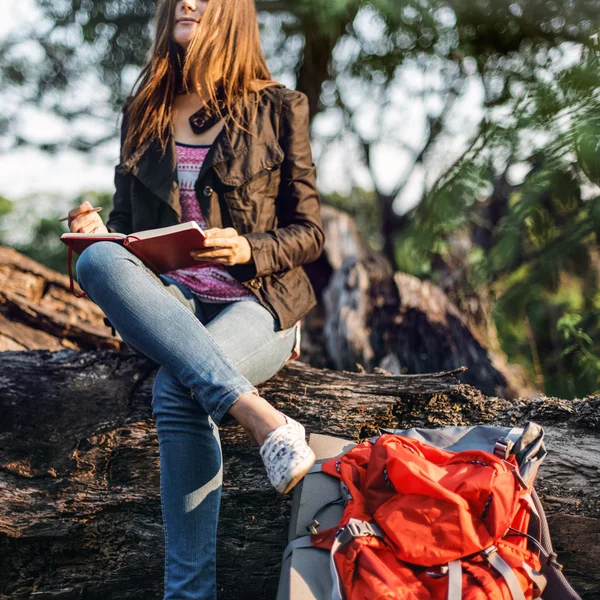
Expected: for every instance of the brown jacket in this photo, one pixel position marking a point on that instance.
(264, 186)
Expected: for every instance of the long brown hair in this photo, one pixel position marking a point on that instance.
(226, 44)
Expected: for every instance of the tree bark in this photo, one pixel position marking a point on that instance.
(38, 311)
(79, 472)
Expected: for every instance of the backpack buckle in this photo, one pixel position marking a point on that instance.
(357, 528)
(489, 551)
(552, 561)
(503, 447)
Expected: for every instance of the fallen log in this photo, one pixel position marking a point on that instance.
(367, 317)
(79, 473)
(38, 311)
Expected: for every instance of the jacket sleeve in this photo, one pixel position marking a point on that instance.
(119, 220)
(299, 237)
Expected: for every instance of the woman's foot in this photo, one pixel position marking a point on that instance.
(256, 416)
(283, 448)
(286, 455)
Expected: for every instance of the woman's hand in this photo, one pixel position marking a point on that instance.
(83, 221)
(224, 246)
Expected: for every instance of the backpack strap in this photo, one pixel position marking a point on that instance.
(454, 580)
(550, 581)
(353, 529)
(498, 563)
(558, 588)
(535, 576)
(302, 542)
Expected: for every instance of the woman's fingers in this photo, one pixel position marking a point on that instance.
(215, 232)
(83, 207)
(224, 242)
(74, 212)
(213, 252)
(213, 245)
(225, 246)
(81, 225)
(86, 223)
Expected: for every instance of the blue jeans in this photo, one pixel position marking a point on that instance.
(209, 355)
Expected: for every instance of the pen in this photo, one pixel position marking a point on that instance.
(97, 209)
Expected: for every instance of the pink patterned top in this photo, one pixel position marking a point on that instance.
(211, 282)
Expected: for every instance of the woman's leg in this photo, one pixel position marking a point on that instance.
(191, 463)
(190, 489)
(154, 317)
(158, 325)
(247, 334)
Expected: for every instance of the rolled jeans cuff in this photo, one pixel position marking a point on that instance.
(228, 401)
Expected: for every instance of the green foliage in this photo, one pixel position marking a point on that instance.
(6, 206)
(410, 257)
(578, 340)
(580, 349)
(535, 239)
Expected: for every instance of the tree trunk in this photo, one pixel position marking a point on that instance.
(79, 473)
(374, 318)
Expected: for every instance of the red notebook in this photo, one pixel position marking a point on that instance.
(163, 250)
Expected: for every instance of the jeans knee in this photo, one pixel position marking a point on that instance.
(95, 259)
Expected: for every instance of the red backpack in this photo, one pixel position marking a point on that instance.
(424, 523)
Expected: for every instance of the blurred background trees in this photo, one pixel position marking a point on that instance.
(491, 107)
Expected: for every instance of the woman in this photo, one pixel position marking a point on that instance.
(208, 136)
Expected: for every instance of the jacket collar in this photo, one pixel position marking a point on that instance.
(159, 173)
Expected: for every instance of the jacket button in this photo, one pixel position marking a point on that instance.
(208, 190)
(256, 283)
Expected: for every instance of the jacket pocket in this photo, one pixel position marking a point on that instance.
(250, 163)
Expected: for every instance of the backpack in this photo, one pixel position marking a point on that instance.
(445, 514)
